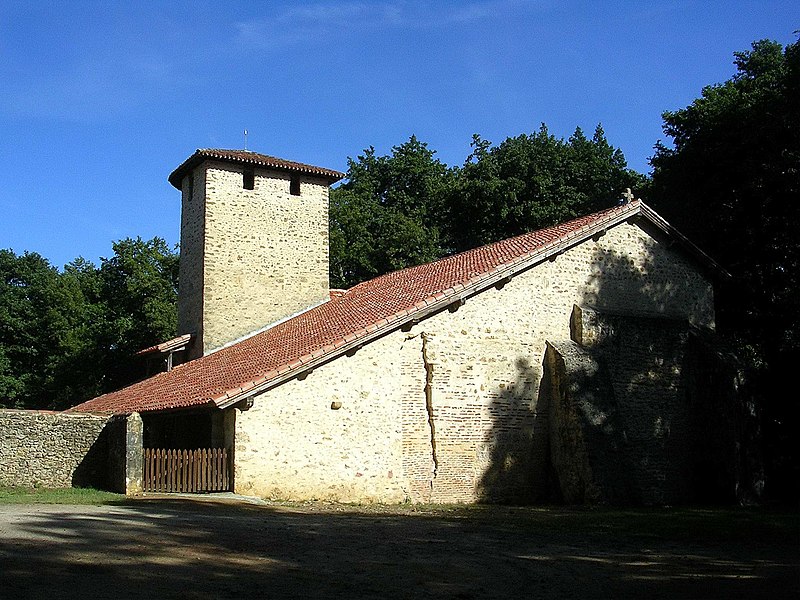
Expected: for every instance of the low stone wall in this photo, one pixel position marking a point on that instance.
(48, 449)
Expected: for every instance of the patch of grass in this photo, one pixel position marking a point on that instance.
(22, 495)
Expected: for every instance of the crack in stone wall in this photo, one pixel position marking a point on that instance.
(429, 402)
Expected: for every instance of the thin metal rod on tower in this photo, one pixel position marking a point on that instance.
(245, 139)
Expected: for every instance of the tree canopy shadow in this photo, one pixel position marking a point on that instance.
(639, 403)
(187, 549)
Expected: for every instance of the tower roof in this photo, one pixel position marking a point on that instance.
(246, 157)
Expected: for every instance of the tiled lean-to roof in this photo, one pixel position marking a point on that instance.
(352, 318)
(249, 158)
(175, 343)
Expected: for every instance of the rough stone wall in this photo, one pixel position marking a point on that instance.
(648, 410)
(337, 434)
(190, 280)
(52, 449)
(265, 253)
(645, 359)
(588, 441)
(484, 363)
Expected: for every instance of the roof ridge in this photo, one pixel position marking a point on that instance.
(498, 243)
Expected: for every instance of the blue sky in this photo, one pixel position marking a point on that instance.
(99, 102)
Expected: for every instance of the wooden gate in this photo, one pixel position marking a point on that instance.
(203, 470)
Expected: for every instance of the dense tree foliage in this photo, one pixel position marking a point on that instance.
(731, 182)
(533, 181)
(67, 336)
(389, 214)
(409, 208)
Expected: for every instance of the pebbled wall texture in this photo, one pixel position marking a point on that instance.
(365, 428)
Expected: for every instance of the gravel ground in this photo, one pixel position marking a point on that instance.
(230, 548)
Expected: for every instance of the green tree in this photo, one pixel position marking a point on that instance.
(66, 337)
(138, 291)
(39, 311)
(731, 182)
(533, 181)
(389, 213)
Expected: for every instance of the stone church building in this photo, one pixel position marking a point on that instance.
(574, 363)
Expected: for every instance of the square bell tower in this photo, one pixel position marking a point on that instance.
(254, 243)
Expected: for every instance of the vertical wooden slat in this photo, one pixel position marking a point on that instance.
(225, 485)
(167, 471)
(161, 461)
(197, 487)
(185, 467)
(153, 469)
(224, 459)
(151, 464)
(151, 461)
(178, 460)
(215, 470)
(145, 470)
(224, 469)
(162, 485)
(179, 470)
(210, 469)
(171, 486)
(220, 469)
(193, 470)
(196, 471)
(162, 475)
(204, 463)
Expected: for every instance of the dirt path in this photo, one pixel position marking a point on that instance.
(185, 549)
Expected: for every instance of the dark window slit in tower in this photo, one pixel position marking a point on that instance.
(294, 185)
(248, 179)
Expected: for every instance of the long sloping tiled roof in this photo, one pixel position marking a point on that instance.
(249, 158)
(351, 319)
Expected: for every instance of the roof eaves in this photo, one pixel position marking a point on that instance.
(659, 222)
(254, 158)
(173, 344)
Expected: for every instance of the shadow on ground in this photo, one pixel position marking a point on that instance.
(187, 549)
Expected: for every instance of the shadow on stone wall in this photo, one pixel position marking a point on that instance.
(587, 437)
(104, 466)
(518, 471)
(92, 471)
(645, 412)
